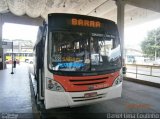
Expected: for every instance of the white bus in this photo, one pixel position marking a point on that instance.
(78, 61)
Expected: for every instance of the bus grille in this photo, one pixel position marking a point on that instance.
(80, 99)
(86, 82)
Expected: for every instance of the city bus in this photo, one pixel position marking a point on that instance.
(77, 61)
(20, 56)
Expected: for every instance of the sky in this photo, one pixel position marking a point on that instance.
(133, 36)
(18, 31)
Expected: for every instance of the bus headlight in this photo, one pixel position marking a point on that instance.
(53, 85)
(119, 79)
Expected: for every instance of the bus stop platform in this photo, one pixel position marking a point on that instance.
(15, 94)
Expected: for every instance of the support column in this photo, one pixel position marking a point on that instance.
(120, 22)
(1, 23)
(1, 49)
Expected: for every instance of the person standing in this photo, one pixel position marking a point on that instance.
(14, 62)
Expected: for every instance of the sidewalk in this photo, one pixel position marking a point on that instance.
(15, 95)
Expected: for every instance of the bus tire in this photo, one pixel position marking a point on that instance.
(39, 103)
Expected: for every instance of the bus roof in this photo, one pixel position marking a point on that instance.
(86, 16)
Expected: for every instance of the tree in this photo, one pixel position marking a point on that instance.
(151, 45)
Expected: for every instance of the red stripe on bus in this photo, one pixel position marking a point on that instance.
(86, 83)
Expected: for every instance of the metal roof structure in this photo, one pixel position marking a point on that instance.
(135, 10)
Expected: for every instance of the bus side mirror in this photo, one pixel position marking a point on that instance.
(124, 69)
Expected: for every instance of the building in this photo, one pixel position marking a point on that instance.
(22, 49)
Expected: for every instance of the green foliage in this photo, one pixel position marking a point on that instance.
(151, 43)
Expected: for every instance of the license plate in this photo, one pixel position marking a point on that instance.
(88, 95)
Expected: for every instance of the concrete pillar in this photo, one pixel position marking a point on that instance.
(1, 49)
(120, 22)
(1, 23)
(2, 65)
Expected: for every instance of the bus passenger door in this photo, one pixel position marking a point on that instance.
(40, 69)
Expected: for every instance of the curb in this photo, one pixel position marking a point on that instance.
(148, 83)
(36, 113)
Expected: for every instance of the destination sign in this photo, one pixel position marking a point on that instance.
(86, 23)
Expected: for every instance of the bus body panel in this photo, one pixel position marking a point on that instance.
(72, 99)
(85, 83)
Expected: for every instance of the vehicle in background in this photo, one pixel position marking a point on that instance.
(130, 59)
(23, 57)
(29, 60)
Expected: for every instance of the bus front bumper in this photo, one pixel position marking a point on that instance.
(72, 99)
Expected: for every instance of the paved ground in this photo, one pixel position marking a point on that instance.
(15, 98)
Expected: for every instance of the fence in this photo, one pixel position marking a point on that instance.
(143, 72)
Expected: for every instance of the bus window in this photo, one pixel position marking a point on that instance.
(74, 51)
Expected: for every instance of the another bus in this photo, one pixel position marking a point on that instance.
(23, 56)
(78, 61)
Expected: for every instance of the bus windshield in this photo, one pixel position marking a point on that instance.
(82, 51)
